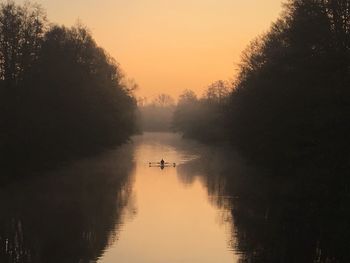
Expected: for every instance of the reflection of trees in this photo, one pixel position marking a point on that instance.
(275, 220)
(67, 216)
(292, 223)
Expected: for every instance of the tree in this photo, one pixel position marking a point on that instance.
(202, 118)
(290, 99)
(217, 91)
(21, 32)
(61, 94)
(187, 97)
(163, 100)
(88, 86)
(289, 104)
(156, 116)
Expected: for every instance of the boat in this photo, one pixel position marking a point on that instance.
(162, 165)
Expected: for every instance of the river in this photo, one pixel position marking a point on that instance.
(113, 207)
(172, 218)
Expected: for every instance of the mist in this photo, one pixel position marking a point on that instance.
(251, 167)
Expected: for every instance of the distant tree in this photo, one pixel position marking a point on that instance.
(202, 118)
(163, 100)
(157, 115)
(187, 97)
(217, 91)
(142, 101)
(185, 114)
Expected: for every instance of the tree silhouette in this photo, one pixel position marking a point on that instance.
(290, 103)
(61, 94)
(202, 118)
(157, 115)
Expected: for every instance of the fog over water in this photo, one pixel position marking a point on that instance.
(115, 208)
(175, 219)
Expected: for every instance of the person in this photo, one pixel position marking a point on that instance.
(162, 162)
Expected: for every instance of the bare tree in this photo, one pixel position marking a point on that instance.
(163, 100)
(217, 91)
(187, 97)
(21, 33)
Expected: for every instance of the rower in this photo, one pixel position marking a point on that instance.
(162, 162)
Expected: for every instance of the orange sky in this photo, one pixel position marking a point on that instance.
(170, 45)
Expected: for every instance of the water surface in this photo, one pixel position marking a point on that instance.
(174, 219)
(115, 208)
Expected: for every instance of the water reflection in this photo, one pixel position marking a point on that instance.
(275, 220)
(203, 210)
(175, 220)
(71, 215)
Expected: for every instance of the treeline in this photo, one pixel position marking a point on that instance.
(290, 105)
(156, 116)
(203, 118)
(60, 93)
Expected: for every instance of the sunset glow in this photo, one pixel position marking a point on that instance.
(169, 46)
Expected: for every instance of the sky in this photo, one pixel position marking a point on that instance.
(168, 46)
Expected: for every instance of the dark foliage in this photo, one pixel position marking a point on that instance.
(289, 112)
(157, 115)
(61, 94)
(204, 118)
(290, 104)
(70, 215)
(275, 219)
